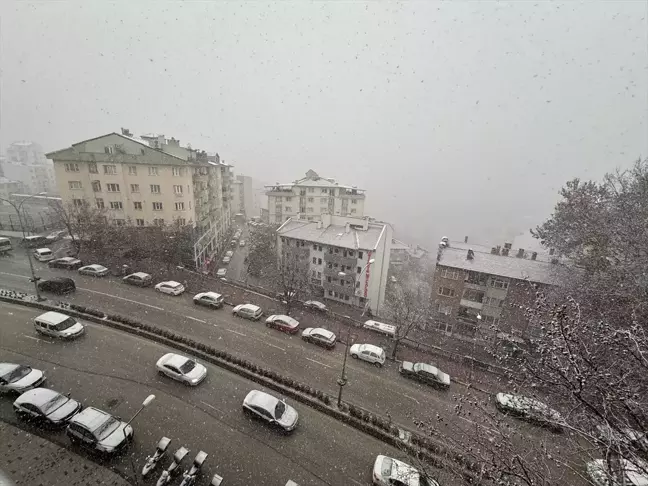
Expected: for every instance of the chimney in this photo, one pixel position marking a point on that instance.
(465, 239)
(494, 251)
(347, 227)
(554, 261)
(470, 255)
(520, 253)
(508, 246)
(173, 142)
(505, 251)
(126, 131)
(499, 250)
(161, 140)
(326, 220)
(534, 255)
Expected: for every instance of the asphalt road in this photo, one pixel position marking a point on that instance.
(115, 371)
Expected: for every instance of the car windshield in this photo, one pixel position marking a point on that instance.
(55, 403)
(187, 366)
(106, 428)
(66, 324)
(386, 467)
(280, 408)
(17, 373)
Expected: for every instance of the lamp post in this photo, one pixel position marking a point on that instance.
(343, 274)
(474, 347)
(18, 208)
(342, 381)
(147, 401)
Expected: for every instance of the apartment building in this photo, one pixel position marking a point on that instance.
(8, 188)
(348, 257)
(311, 197)
(26, 163)
(238, 203)
(402, 253)
(149, 180)
(479, 289)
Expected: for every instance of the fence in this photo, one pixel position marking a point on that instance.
(37, 222)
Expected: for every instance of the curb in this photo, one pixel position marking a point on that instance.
(359, 418)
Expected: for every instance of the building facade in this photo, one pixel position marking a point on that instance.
(8, 188)
(311, 197)
(26, 163)
(149, 180)
(348, 258)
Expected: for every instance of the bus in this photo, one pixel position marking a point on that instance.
(5, 245)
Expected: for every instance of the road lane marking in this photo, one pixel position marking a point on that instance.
(196, 319)
(274, 346)
(36, 339)
(318, 362)
(479, 425)
(405, 395)
(122, 298)
(212, 407)
(15, 275)
(236, 332)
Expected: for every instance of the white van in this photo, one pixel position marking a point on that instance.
(55, 324)
(43, 254)
(380, 327)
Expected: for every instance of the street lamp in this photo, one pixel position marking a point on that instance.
(147, 401)
(18, 208)
(474, 347)
(342, 381)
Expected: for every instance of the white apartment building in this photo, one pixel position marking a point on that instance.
(238, 203)
(311, 197)
(26, 163)
(348, 257)
(149, 180)
(8, 188)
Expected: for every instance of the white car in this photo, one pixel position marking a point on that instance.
(242, 243)
(226, 260)
(94, 270)
(229, 253)
(529, 409)
(209, 299)
(248, 311)
(368, 352)
(388, 471)
(171, 287)
(634, 475)
(221, 272)
(274, 411)
(18, 378)
(315, 305)
(43, 254)
(181, 368)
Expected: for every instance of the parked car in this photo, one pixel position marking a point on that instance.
(5, 245)
(388, 471)
(57, 285)
(17, 378)
(283, 323)
(209, 299)
(181, 368)
(99, 430)
(529, 409)
(34, 241)
(315, 305)
(633, 474)
(425, 373)
(170, 287)
(140, 279)
(625, 437)
(233, 242)
(221, 272)
(319, 336)
(58, 325)
(270, 409)
(229, 253)
(380, 327)
(248, 311)
(94, 270)
(43, 254)
(368, 352)
(242, 243)
(226, 260)
(46, 407)
(56, 235)
(67, 263)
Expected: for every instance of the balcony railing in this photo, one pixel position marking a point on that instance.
(340, 259)
(340, 289)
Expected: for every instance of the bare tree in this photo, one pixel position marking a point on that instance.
(292, 274)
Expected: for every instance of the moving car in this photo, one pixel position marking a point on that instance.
(529, 409)
(57, 285)
(94, 270)
(99, 430)
(48, 407)
(425, 373)
(209, 299)
(274, 411)
(19, 378)
(283, 323)
(33, 241)
(368, 352)
(140, 279)
(181, 368)
(55, 324)
(67, 263)
(315, 305)
(380, 327)
(56, 235)
(226, 260)
(43, 254)
(319, 336)
(170, 287)
(388, 471)
(634, 475)
(221, 272)
(248, 311)
(242, 243)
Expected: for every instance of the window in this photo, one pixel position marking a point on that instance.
(77, 202)
(288, 198)
(353, 211)
(315, 247)
(153, 171)
(134, 187)
(137, 205)
(311, 189)
(490, 320)
(71, 167)
(324, 191)
(311, 199)
(354, 201)
(330, 292)
(473, 295)
(319, 261)
(177, 171)
(155, 189)
(116, 205)
(100, 203)
(132, 170)
(309, 210)
(358, 270)
(360, 255)
(351, 254)
(158, 222)
(113, 187)
(319, 248)
(177, 189)
(96, 186)
(492, 301)
(319, 275)
(74, 185)
(181, 221)
(92, 168)
(450, 273)
(289, 209)
(499, 283)
(119, 222)
(110, 169)
(314, 260)
(157, 206)
(179, 206)
(447, 292)
(476, 278)
(108, 149)
(139, 222)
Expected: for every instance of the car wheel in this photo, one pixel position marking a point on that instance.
(267, 324)
(377, 364)
(354, 356)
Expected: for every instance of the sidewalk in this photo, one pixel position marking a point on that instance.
(31, 460)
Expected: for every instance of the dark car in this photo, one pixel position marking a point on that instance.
(68, 263)
(57, 285)
(425, 373)
(319, 336)
(47, 407)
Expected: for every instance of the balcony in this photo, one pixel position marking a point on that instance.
(340, 259)
(334, 272)
(340, 289)
(471, 304)
(278, 190)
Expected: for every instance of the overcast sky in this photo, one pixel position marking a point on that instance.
(459, 118)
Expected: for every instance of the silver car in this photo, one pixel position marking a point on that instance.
(368, 352)
(182, 369)
(94, 270)
(45, 406)
(99, 430)
(19, 378)
(270, 409)
(388, 471)
(529, 409)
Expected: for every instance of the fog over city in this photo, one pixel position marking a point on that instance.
(458, 118)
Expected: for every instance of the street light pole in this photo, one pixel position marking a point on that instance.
(147, 401)
(342, 381)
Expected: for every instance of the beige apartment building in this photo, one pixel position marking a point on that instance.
(312, 196)
(149, 180)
